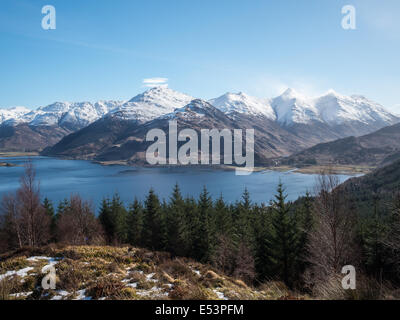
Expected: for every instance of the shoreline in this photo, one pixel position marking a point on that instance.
(4, 154)
(352, 170)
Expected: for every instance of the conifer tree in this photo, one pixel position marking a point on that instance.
(62, 205)
(153, 223)
(48, 206)
(135, 223)
(244, 233)
(374, 239)
(193, 222)
(119, 217)
(105, 218)
(283, 237)
(203, 237)
(177, 224)
(223, 218)
(305, 221)
(263, 225)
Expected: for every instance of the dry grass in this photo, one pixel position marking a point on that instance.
(8, 287)
(124, 273)
(108, 287)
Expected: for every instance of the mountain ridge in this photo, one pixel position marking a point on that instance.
(288, 123)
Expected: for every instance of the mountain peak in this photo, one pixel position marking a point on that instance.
(160, 92)
(151, 104)
(331, 92)
(241, 102)
(290, 93)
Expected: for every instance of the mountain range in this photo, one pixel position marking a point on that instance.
(115, 130)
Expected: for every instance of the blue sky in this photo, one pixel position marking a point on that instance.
(104, 49)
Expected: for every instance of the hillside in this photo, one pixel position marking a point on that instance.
(375, 190)
(26, 138)
(374, 149)
(384, 181)
(123, 273)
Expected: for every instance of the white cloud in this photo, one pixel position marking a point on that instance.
(155, 82)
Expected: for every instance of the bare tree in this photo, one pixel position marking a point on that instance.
(34, 220)
(331, 242)
(23, 215)
(78, 225)
(224, 256)
(244, 268)
(10, 223)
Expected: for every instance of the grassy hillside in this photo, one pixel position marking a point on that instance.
(103, 272)
(375, 149)
(380, 185)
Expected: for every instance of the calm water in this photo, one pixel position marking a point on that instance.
(59, 178)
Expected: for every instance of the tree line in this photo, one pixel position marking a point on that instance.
(303, 243)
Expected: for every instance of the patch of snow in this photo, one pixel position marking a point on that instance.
(220, 295)
(22, 273)
(150, 275)
(82, 295)
(21, 294)
(60, 294)
(155, 291)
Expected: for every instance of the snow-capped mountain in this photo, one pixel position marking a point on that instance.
(288, 109)
(78, 114)
(331, 108)
(231, 103)
(334, 108)
(292, 107)
(151, 104)
(194, 110)
(13, 115)
(74, 115)
(287, 123)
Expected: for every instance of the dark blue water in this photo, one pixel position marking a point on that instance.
(60, 178)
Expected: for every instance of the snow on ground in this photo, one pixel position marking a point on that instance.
(220, 295)
(60, 295)
(155, 291)
(150, 276)
(21, 294)
(22, 273)
(132, 285)
(197, 272)
(82, 295)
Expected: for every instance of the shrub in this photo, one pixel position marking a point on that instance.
(106, 287)
(9, 286)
